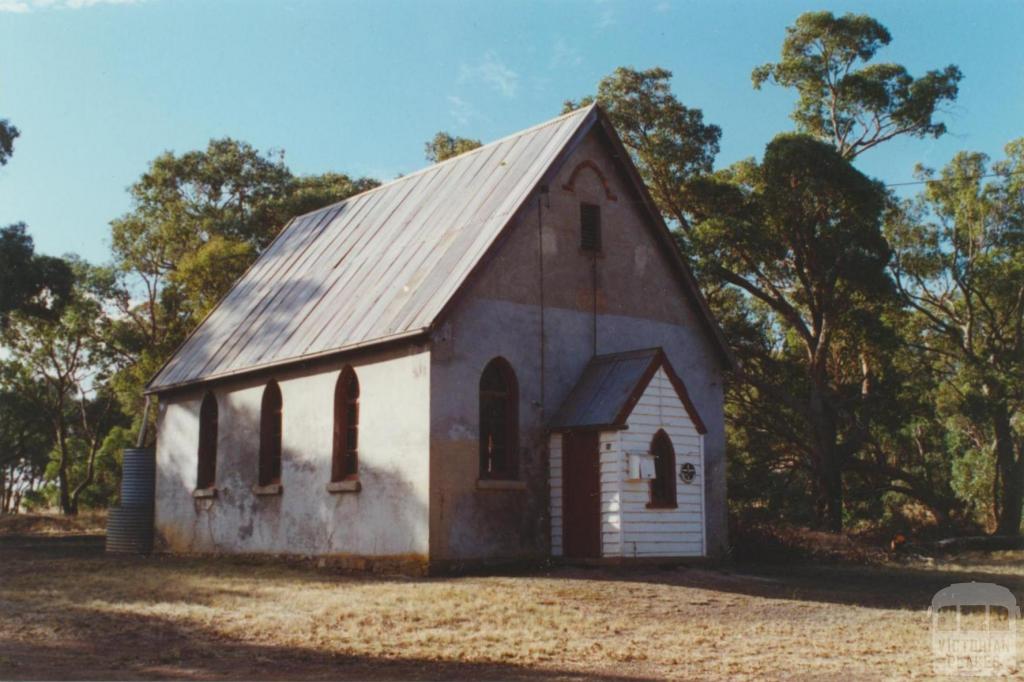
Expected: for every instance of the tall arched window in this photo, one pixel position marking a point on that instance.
(345, 457)
(270, 435)
(499, 421)
(206, 467)
(663, 485)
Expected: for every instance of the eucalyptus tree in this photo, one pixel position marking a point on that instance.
(8, 133)
(198, 220)
(443, 146)
(31, 283)
(847, 101)
(959, 265)
(800, 236)
(67, 362)
(26, 438)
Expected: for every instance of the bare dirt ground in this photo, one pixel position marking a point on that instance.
(67, 611)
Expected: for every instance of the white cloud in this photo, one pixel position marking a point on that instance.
(563, 54)
(461, 110)
(606, 17)
(492, 72)
(23, 6)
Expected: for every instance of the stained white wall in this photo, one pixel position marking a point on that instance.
(611, 493)
(388, 517)
(662, 532)
(628, 527)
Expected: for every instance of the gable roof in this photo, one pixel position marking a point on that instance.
(610, 387)
(383, 265)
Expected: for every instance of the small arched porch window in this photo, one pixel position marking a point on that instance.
(270, 435)
(499, 421)
(206, 466)
(345, 453)
(663, 485)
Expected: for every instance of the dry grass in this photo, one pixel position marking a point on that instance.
(71, 612)
(87, 522)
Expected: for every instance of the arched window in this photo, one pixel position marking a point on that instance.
(663, 485)
(270, 435)
(499, 421)
(345, 454)
(206, 469)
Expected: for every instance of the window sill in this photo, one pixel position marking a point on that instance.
(500, 484)
(666, 507)
(344, 487)
(272, 489)
(204, 493)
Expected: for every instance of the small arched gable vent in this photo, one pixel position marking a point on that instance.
(588, 164)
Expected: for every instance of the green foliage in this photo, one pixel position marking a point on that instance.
(670, 142)
(198, 221)
(973, 472)
(8, 133)
(444, 147)
(805, 220)
(798, 237)
(64, 365)
(25, 437)
(106, 489)
(960, 268)
(842, 99)
(33, 284)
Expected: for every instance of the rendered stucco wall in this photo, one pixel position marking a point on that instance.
(387, 518)
(624, 299)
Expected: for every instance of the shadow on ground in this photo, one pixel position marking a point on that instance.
(870, 586)
(85, 639)
(84, 642)
(192, 655)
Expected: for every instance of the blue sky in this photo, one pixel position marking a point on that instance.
(100, 87)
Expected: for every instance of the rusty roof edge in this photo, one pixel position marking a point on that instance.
(297, 360)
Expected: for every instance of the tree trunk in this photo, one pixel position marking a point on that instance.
(828, 466)
(66, 507)
(1010, 471)
(830, 493)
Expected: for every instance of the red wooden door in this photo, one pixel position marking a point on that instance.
(581, 495)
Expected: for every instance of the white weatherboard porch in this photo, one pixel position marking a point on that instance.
(629, 527)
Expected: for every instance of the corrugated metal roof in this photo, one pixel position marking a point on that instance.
(603, 390)
(377, 266)
(610, 387)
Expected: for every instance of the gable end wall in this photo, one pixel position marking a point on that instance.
(624, 299)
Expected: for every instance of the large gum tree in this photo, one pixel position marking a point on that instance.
(959, 266)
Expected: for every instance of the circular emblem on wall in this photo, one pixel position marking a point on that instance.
(687, 473)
